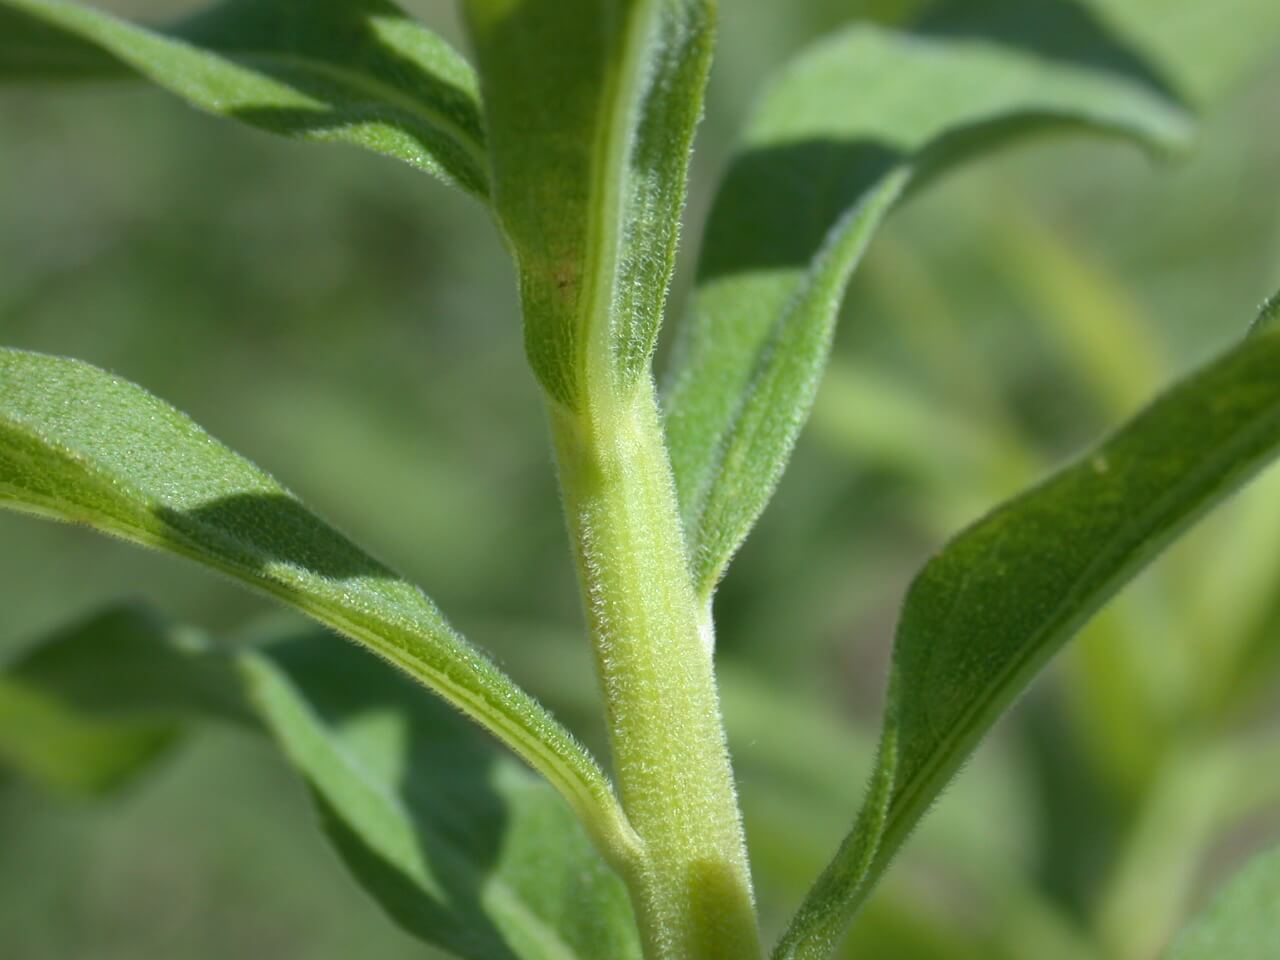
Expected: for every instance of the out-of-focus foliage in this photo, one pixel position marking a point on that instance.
(266, 288)
(1242, 922)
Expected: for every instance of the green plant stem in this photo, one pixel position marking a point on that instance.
(692, 887)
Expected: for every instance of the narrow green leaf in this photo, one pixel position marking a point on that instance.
(590, 109)
(464, 848)
(78, 444)
(989, 611)
(1242, 922)
(460, 844)
(847, 128)
(354, 71)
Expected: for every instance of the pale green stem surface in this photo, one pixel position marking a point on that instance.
(692, 889)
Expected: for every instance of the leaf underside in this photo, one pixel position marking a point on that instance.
(986, 614)
(80, 445)
(361, 72)
(848, 128)
(461, 845)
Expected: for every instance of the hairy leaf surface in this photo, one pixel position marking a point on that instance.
(847, 128)
(986, 613)
(460, 844)
(81, 445)
(361, 72)
(590, 109)
(1242, 922)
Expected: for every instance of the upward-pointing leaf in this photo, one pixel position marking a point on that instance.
(78, 444)
(988, 612)
(590, 108)
(355, 71)
(839, 137)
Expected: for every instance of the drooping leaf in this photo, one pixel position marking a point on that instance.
(590, 110)
(847, 128)
(1242, 922)
(463, 847)
(460, 844)
(355, 71)
(78, 444)
(995, 604)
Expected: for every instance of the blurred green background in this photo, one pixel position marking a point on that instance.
(352, 327)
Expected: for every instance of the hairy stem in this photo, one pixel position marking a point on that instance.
(692, 890)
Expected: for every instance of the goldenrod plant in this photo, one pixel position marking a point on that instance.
(571, 122)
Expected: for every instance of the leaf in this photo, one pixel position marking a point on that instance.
(590, 108)
(986, 614)
(78, 444)
(463, 847)
(847, 129)
(98, 702)
(460, 844)
(353, 71)
(1242, 922)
